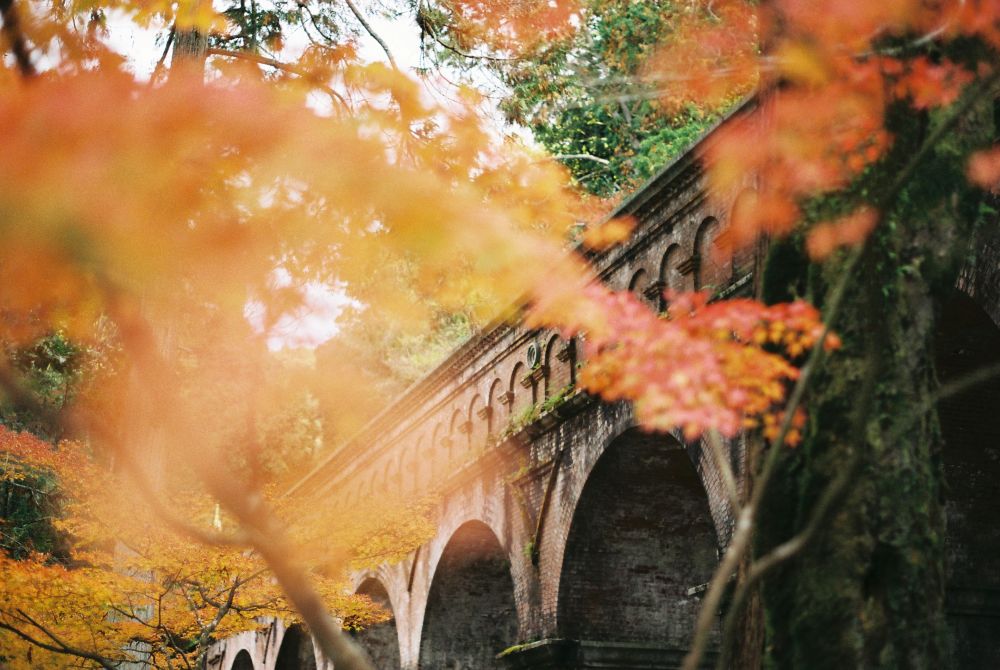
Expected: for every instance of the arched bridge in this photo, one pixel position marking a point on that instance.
(570, 539)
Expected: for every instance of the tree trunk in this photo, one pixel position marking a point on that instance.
(868, 591)
(189, 46)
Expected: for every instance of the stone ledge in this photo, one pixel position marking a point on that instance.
(563, 654)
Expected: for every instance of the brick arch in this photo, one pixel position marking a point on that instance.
(243, 661)
(479, 427)
(381, 641)
(641, 536)
(670, 276)
(296, 651)
(709, 271)
(610, 422)
(523, 397)
(470, 614)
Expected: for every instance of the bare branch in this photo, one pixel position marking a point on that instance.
(585, 157)
(371, 31)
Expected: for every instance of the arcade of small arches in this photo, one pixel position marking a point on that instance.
(538, 375)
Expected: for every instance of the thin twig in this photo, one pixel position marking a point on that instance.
(371, 31)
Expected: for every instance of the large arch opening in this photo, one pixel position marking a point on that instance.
(640, 545)
(243, 661)
(968, 341)
(296, 650)
(470, 615)
(381, 641)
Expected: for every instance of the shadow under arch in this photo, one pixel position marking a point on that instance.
(381, 641)
(967, 340)
(640, 543)
(471, 614)
(296, 650)
(242, 661)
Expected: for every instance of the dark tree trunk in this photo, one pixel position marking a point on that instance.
(868, 591)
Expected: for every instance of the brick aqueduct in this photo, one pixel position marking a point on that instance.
(569, 539)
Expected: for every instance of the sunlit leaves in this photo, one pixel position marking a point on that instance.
(722, 365)
(131, 577)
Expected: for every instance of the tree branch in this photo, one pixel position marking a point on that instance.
(585, 157)
(278, 65)
(59, 647)
(371, 31)
(18, 44)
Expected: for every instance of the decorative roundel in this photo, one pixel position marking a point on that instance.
(534, 354)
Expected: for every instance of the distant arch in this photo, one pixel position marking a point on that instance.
(638, 282)
(523, 396)
(296, 650)
(709, 272)
(381, 640)
(670, 276)
(479, 425)
(471, 614)
(243, 661)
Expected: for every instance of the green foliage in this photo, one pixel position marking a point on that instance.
(585, 96)
(56, 372)
(27, 508)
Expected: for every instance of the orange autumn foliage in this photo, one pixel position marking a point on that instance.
(830, 71)
(132, 588)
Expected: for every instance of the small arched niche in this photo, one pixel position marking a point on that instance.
(559, 362)
(709, 271)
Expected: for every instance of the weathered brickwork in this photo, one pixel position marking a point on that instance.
(570, 539)
(470, 612)
(641, 543)
(969, 341)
